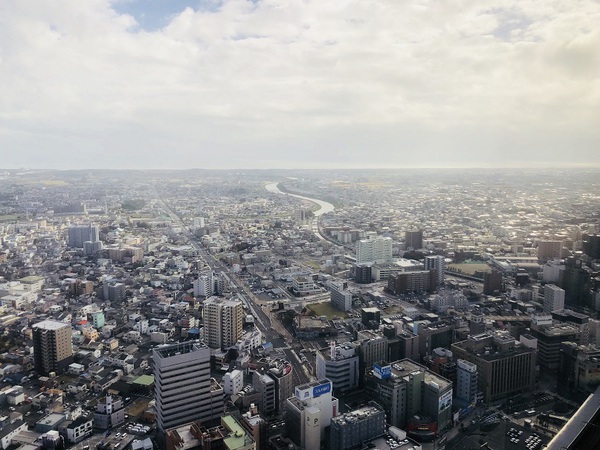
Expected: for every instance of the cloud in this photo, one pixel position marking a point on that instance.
(298, 82)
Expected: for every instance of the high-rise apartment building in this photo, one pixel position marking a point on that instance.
(184, 390)
(416, 281)
(204, 285)
(78, 234)
(413, 240)
(554, 298)
(223, 322)
(435, 262)
(52, 346)
(375, 248)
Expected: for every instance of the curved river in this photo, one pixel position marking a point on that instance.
(325, 207)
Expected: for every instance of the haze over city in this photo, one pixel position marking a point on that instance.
(298, 84)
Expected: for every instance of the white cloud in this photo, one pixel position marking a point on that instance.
(300, 82)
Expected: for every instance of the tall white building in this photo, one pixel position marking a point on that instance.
(309, 412)
(435, 262)
(554, 298)
(374, 249)
(223, 322)
(184, 390)
(466, 381)
(204, 286)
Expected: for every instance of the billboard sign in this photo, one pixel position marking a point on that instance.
(321, 389)
(445, 400)
(382, 372)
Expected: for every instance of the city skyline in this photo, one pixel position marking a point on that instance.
(242, 84)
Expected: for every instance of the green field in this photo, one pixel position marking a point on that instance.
(469, 268)
(326, 309)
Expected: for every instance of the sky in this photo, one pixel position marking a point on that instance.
(155, 84)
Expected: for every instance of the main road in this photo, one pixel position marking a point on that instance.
(263, 321)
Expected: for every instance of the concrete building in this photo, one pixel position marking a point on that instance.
(233, 382)
(278, 385)
(309, 412)
(352, 429)
(265, 385)
(548, 249)
(370, 317)
(374, 249)
(493, 282)
(110, 413)
(413, 397)
(549, 339)
(372, 348)
(579, 370)
(419, 281)
(466, 381)
(204, 285)
(184, 390)
(432, 335)
(339, 364)
(256, 426)
(52, 347)
(223, 322)
(504, 366)
(413, 240)
(304, 285)
(78, 234)
(435, 262)
(79, 429)
(340, 297)
(554, 298)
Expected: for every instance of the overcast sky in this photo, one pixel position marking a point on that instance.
(299, 83)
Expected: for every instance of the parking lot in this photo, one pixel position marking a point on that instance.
(500, 434)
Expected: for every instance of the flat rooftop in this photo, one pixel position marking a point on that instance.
(51, 325)
(405, 367)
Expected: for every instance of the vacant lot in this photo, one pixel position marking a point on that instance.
(469, 268)
(326, 309)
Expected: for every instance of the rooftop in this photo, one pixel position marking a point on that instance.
(51, 325)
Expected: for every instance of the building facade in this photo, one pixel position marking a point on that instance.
(374, 249)
(340, 365)
(309, 412)
(223, 322)
(554, 298)
(184, 390)
(505, 367)
(352, 429)
(52, 346)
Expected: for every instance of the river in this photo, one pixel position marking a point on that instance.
(325, 207)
